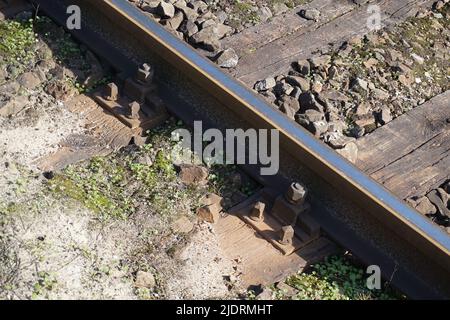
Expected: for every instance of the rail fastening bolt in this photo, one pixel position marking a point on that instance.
(296, 193)
(287, 235)
(135, 107)
(144, 74)
(257, 211)
(111, 92)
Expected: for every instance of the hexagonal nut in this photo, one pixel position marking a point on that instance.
(144, 74)
(145, 67)
(296, 193)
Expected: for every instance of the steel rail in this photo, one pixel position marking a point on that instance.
(392, 212)
(325, 160)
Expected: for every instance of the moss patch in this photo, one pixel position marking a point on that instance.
(115, 188)
(291, 4)
(244, 12)
(16, 40)
(24, 44)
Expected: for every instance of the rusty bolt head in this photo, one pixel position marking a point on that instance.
(111, 92)
(257, 211)
(144, 73)
(146, 67)
(286, 235)
(296, 193)
(135, 107)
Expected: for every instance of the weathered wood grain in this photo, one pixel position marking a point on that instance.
(105, 133)
(276, 56)
(263, 263)
(253, 38)
(411, 154)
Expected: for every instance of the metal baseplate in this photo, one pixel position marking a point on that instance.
(137, 104)
(284, 220)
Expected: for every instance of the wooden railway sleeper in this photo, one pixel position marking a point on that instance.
(284, 220)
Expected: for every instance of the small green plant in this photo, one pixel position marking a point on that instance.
(251, 295)
(98, 186)
(46, 282)
(243, 13)
(16, 40)
(335, 279)
(289, 3)
(144, 294)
